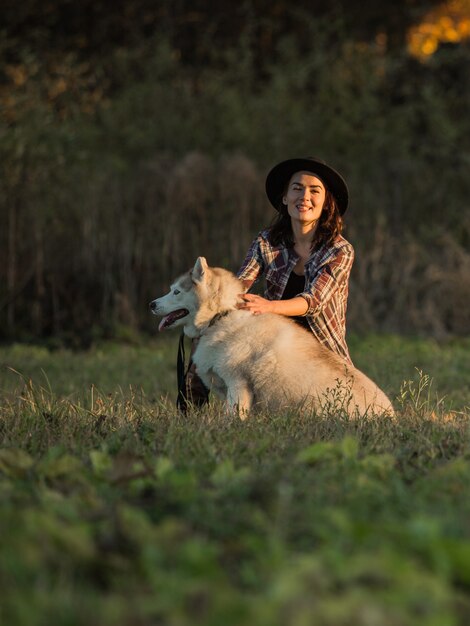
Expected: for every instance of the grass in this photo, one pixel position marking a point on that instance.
(107, 367)
(118, 511)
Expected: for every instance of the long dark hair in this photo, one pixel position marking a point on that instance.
(329, 226)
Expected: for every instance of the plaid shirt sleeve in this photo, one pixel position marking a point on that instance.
(254, 265)
(331, 276)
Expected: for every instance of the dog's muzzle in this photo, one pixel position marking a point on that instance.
(153, 306)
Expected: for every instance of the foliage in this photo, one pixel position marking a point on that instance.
(193, 26)
(119, 172)
(117, 510)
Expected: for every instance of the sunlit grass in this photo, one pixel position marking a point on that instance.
(150, 367)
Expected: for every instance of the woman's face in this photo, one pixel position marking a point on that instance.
(304, 197)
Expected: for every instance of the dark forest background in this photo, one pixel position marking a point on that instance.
(136, 135)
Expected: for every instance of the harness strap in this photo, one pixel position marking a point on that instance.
(181, 375)
(182, 371)
(217, 317)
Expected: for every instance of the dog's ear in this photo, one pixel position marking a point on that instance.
(199, 270)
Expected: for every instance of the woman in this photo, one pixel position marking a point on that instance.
(303, 256)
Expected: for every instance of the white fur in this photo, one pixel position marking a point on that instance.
(263, 360)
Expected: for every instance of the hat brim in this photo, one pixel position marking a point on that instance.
(280, 175)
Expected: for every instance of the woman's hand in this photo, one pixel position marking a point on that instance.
(255, 304)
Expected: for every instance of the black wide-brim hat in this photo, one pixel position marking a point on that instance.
(280, 175)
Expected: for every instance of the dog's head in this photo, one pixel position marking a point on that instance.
(181, 304)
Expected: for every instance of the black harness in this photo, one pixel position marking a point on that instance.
(182, 370)
(181, 375)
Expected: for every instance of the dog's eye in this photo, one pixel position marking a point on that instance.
(176, 292)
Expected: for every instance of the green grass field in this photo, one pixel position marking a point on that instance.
(115, 510)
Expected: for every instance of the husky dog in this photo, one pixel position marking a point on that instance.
(266, 360)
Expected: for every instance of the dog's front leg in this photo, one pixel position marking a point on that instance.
(239, 398)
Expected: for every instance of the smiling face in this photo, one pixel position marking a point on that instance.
(304, 197)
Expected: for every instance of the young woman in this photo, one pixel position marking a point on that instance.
(303, 256)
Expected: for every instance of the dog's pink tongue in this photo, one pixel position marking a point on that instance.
(163, 324)
(171, 317)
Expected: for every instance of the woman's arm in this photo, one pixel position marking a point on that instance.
(333, 275)
(253, 265)
(258, 305)
(330, 277)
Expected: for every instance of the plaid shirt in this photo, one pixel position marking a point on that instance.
(326, 284)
